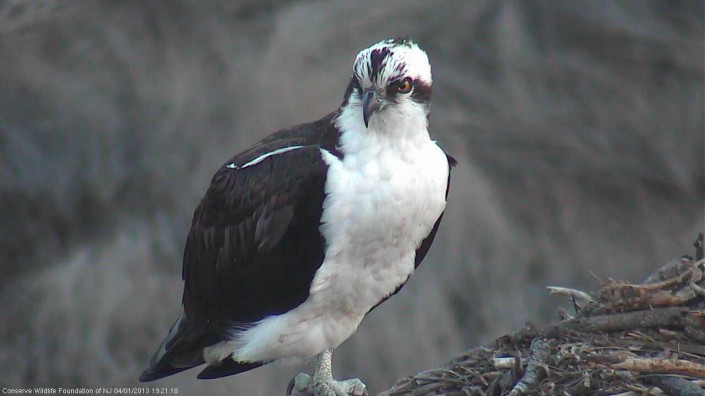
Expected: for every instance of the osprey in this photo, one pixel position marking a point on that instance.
(304, 233)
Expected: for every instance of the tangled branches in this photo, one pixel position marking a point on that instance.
(625, 339)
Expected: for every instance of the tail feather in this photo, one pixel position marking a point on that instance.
(227, 367)
(180, 350)
(149, 375)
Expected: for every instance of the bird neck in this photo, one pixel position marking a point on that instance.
(401, 128)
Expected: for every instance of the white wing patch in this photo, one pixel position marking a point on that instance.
(262, 157)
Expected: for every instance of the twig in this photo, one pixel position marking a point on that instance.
(576, 295)
(651, 366)
(627, 296)
(663, 317)
(504, 362)
(696, 288)
(535, 370)
(670, 274)
(677, 346)
(676, 385)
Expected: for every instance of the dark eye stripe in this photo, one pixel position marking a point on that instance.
(422, 92)
(356, 83)
(353, 85)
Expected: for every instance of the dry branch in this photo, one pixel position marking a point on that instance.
(535, 370)
(655, 366)
(657, 318)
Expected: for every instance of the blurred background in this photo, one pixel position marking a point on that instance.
(578, 127)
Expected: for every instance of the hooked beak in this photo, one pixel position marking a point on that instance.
(370, 105)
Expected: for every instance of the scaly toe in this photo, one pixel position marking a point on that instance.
(354, 387)
(350, 387)
(299, 385)
(304, 385)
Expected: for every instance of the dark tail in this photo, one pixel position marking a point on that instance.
(227, 367)
(181, 350)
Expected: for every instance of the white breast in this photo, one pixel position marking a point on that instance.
(383, 198)
(381, 204)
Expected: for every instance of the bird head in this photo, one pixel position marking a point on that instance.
(393, 75)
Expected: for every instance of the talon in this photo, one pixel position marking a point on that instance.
(290, 386)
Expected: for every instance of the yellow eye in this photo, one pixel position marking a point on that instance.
(404, 86)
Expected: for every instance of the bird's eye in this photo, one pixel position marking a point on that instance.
(404, 86)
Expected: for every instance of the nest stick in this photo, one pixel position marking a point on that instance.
(535, 370)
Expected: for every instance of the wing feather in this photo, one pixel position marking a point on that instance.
(248, 238)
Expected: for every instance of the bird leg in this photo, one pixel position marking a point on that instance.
(322, 382)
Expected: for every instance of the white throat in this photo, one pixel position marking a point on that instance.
(399, 126)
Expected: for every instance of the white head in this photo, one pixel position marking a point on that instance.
(392, 77)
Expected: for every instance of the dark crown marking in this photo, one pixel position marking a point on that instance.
(378, 59)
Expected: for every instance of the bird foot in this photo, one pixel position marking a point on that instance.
(305, 385)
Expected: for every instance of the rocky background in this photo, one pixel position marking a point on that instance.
(578, 127)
